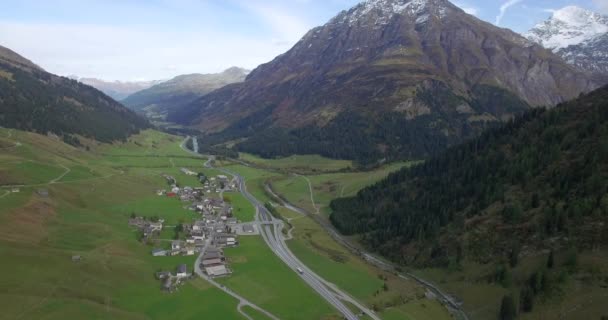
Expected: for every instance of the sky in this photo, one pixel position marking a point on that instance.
(133, 40)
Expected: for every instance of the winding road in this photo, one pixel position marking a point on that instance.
(270, 229)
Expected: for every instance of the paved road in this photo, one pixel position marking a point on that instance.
(270, 229)
(447, 299)
(242, 301)
(195, 144)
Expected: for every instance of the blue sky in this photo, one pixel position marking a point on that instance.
(158, 39)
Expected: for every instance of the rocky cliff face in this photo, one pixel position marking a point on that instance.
(579, 36)
(422, 59)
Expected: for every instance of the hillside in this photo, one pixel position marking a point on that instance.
(35, 100)
(401, 78)
(579, 36)
(118, 90)
(536, 185)
(182, 90)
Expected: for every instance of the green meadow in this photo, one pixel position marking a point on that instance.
(265, 280)
(86, 214)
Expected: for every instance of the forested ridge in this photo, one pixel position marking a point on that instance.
(34, 100)
(538, 182)
(373, 135)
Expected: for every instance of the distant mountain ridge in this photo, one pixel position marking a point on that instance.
(404, 78)
(118, 90)
(181, 90)
(34, 100)
(579, 36)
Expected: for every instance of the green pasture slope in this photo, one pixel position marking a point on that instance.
(86, 215)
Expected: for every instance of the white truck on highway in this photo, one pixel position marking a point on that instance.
(300, 271)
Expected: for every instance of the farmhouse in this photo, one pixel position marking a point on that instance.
(159, 252)
(182, 271)
(247, 228)
(217, 271)
(176, 245)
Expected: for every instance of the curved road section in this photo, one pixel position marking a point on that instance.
(270, 229)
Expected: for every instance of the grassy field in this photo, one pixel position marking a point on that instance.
(243, 210)
(86, 214)
(366, 283)
(262, 277)
(306, 164)
(326, 187)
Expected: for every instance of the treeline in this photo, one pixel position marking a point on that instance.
(542, 175)
(33, 100)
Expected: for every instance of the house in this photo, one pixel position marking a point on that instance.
(171, 194)
(188, 172)
(247, 228)
(163, 275)
(188, 251)
(76, 258)
(212, 262)
(190, 240)
(176, 245)
(197, 235)
(175, 189)
(15, 190)
(161, 192)
(156, 226)
(231, 221)
(159, 252)
(167, 285)
(198, 225)
(182, 271)
(217, 271)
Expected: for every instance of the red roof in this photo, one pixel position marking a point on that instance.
(171, 194)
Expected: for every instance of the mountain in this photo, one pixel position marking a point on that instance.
(387, 79)
(35, 100)
(516, 194)
(579, 36)
(118, 90)
(182, 90)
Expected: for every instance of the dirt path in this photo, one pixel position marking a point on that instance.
(5, 194)
(67, 170)
(172, 163)
(312, 197)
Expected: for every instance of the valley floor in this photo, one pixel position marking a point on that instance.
(57, 202)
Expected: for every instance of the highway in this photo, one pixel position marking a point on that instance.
(453, 306)
(270, 229)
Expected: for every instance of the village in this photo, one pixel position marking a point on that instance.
(212, 228)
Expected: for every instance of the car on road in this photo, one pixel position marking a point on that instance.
(300, 271)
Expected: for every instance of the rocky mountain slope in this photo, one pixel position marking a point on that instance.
(425, 69)
(182, 90)
(579, 36)
(35, 100)
(118, 90)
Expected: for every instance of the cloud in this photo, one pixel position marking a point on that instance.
(287, 26)
(602, 5)
(133, 52)
(503, 9)
(467, 8)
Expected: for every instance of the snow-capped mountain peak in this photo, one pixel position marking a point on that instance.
(382, 11)
(579, 36)
(569, 26)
